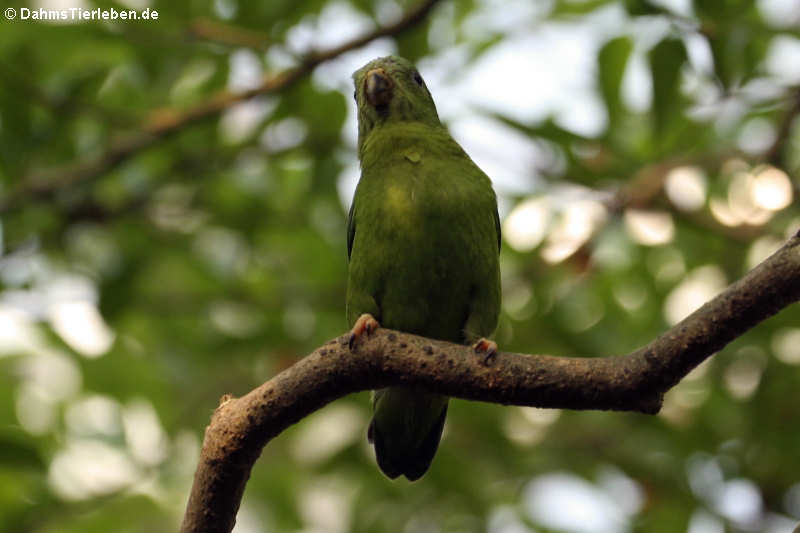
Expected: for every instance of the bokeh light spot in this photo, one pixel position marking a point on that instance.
(686, 187)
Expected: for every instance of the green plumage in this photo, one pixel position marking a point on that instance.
(423, 242)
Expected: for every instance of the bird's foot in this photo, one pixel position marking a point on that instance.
(366, 323)
(486, 347)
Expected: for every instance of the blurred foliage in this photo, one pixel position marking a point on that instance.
(216, 259)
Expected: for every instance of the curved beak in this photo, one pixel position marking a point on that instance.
(378, 87)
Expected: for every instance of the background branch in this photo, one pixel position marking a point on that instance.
(166, 122)
(241, 427)
(775, 153)
(219, 32)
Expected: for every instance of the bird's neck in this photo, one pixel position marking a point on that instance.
(391, 140)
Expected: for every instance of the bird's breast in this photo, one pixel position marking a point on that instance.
(399, 200)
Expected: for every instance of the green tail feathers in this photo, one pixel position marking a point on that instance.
(405, 430)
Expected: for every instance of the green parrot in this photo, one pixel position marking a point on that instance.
(423, 239)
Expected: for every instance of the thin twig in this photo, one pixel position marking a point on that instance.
(774, 154)
(219, 32)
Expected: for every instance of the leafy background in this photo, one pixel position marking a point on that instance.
(644, 154)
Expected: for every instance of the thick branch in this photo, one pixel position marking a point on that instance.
(241, 427)
(164, 123)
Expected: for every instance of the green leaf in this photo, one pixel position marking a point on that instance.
(611, 61)
(666, 60)
(568, 8)
(18, 451)
(639, 8)
(546, 129)
(738, 49)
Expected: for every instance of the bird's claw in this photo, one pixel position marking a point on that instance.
(366, 323)
(487, 347)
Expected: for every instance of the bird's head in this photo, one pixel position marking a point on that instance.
(390, 90)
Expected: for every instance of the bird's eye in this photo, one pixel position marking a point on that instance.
(418, 79)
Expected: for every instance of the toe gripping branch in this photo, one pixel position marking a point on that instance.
(486, 347)
(366, 323)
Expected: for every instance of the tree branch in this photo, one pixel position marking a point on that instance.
(164, 123)
(241, 427)
(774, 154)
(220, 32)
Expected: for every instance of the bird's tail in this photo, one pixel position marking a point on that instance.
(406, 429)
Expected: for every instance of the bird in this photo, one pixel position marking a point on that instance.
(423, 244)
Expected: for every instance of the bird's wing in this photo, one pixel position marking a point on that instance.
(497, 227)
(351, 228)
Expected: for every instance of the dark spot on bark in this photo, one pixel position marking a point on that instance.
(323, 352)
(392, 337)
(403, 345)
(428, 350)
